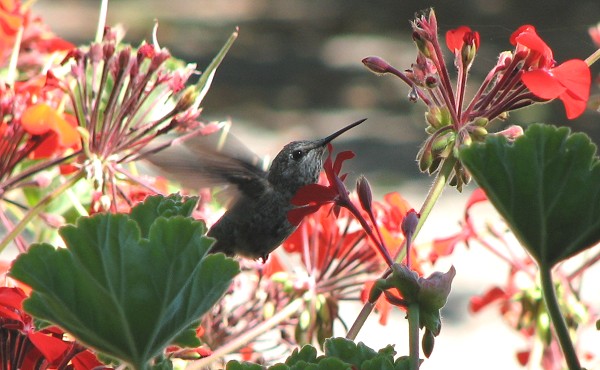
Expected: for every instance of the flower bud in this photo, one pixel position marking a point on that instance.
(511, 133)
(425, 158)
(427, 342)
(409, 223)
(365, 195)
(481, 121)
(376, 65)
(443, 141)
(479, 133)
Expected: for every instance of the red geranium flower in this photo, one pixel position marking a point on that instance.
(30, 347)
(569, 81)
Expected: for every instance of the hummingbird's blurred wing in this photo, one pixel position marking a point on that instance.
(213, 160)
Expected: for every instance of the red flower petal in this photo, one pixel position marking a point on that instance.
(477, 196)
(296, 215)
(573, 105)
(313, 193)
(86, 360)
(40, 118)
(455, 38)
(52, 348)
(543, 84)
(12, 297)
(527, 28)
(527, 37)
(575, 75)
(479, 302)
(339, 160)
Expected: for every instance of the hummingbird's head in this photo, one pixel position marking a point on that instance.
(297, 164)
(300, 162)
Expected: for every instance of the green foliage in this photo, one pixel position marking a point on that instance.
(340, 354)
(128, 285)
(546, 185)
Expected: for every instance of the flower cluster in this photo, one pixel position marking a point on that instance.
(25, 347)
(519, 300)
(527, 75)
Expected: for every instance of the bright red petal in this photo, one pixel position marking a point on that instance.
(575, 75)
(479, 302)
(86, 360)
(52, 348)
(340, 158)
(455, 38)
(543, 84)
(574, 106)
(296, 215)
(477, 196)
(525, 28)
(313, 193)
(12, 297)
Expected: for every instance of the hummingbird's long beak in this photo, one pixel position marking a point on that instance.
(329, 138)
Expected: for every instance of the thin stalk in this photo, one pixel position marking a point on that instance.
(593, 58)
(432, 196)
(558, 321)
(39, 208)
(101, 20)
(243, 339)
(413, 336)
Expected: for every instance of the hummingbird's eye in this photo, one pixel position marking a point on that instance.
(297, 154)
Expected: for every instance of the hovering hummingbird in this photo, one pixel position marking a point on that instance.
(256, 222)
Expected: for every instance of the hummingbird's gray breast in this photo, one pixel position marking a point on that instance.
(254, 227)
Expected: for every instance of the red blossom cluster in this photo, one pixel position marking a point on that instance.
(519, 300)
(24, 347)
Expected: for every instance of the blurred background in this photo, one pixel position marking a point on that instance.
(295, 72)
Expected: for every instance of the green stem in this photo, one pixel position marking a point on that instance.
(243, 339)
(39, 207)
(432, 196)
(558, 321)
(413, 336)
(435, 191)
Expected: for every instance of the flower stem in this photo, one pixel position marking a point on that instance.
(593, 58)
(39, 207)
(558, 321)
(243, 339)
(413, 335)
(432, 196)
(435, 191)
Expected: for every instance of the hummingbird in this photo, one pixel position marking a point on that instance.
(256, 222)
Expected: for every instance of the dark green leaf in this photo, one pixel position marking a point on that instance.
(547, 187)
(152, 207)
(306, 353)
(120, 293)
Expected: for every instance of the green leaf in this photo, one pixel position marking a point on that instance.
(307, 354)
(546, 185)
(156, 206)
(125, 294)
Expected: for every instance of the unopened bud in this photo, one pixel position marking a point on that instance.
(512, 132)
(365, 195)
(376, 65)
(479, 133)
(425, 158)
(443, 141)
(427, 342)
(481, 121)
(422, 44)
(409, 223)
